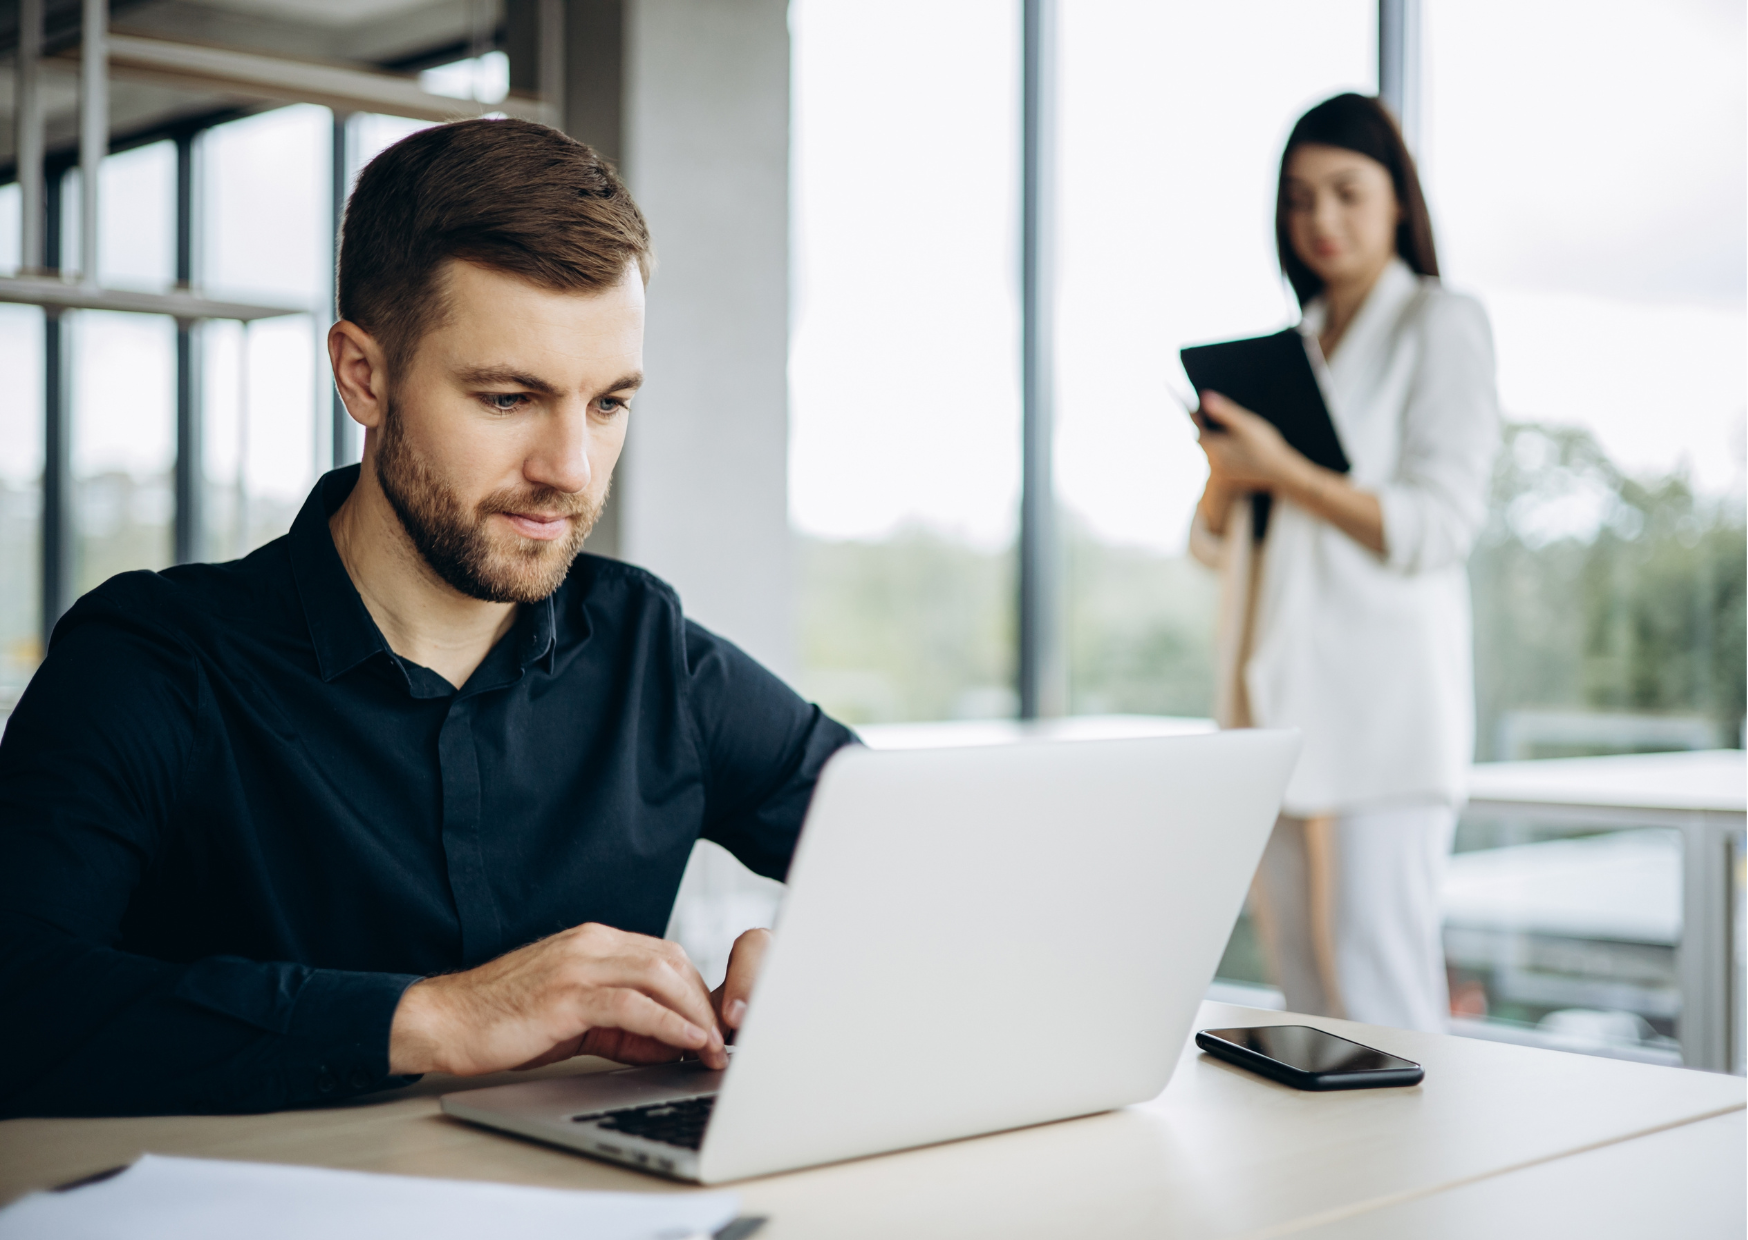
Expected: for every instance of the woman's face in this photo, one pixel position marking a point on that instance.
(1341, 213)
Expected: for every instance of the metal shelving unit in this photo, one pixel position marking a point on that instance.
(101, 56)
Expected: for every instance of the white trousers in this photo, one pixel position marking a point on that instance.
(1348, 910)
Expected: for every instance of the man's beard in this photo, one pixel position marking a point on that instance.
(459, 545)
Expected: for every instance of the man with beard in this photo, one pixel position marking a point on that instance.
(410, 789)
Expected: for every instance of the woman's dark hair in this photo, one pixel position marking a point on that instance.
(1358, 123)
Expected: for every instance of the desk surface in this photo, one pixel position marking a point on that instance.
(1669, 1183)
(1220, 1153)
(1714, 780)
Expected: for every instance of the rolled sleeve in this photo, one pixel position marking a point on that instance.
(1206, 546)
(1435, 505)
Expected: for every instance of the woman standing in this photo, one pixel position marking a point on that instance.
(1349, 618)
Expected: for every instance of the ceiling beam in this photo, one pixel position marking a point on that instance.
(194, 67)
(56, 294)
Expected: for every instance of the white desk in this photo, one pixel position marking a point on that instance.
(1221, 1153)
(1670, 1183)
(1702, 795)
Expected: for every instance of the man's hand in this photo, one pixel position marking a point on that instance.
(592, 990)
(730, 999)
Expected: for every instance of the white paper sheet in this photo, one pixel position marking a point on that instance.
(193, 1199)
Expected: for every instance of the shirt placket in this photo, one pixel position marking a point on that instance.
(463, 845)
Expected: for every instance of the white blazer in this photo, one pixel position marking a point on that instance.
(1370, 655)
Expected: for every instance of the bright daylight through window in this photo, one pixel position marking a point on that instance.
(1600, 226)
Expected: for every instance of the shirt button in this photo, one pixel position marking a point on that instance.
(359, 1079)
(325, 1083)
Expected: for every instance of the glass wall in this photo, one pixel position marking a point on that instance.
(1595, 201)
(21, 457)
(904, 456)
(124, 373)
(266, 235)
(1172, 123)
(124, 442)
(261, 228)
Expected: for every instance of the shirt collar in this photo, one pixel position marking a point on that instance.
(341, 629)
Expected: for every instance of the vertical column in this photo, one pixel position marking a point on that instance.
(340, 173)
(190, 533)
(93, 131)
(706, 481)
(1399, 64)
(28, 115)
(551, 58)
(1703, 961)
(591, 94)
(1043, 670)
(57, 466)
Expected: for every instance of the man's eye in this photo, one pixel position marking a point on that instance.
(611, 405)
(505, 402)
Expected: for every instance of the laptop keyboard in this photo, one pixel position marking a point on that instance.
(672, 1123)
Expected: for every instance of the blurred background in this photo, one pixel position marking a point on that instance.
(829, 458)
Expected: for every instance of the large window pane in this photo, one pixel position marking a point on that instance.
(904, 463)
(21, 426)
(123, 373)
(1172, 123)
(1594, 199)
(136, 237)
(267, 227)
(264, 416)
(267, 234)
(124, 442)
(1603, 227)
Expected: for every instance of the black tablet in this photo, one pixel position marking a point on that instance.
(1272, 377)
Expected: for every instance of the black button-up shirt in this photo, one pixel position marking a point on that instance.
(235, 825)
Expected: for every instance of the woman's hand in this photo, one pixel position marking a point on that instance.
(1245, 451)
(1248, 454)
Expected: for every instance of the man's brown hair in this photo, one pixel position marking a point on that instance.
(511, 195)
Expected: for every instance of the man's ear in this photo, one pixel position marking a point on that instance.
(360, 373)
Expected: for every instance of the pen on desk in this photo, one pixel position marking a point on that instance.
(734, 1229)
(96, 1177)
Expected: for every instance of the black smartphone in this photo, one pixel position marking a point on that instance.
(1308, 1058)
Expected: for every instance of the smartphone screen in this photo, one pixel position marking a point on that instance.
(1309, 1058)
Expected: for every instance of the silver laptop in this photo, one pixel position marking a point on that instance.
(960, 925)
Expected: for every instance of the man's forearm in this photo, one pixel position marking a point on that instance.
(95, 1031)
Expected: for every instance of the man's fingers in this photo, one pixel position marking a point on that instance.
(669, 977)
(744, 963)
(622, 1047)
(636, 1013)
(657, 969)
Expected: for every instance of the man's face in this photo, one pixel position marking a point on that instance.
(502, 435)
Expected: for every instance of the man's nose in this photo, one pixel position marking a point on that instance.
(560, 459)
